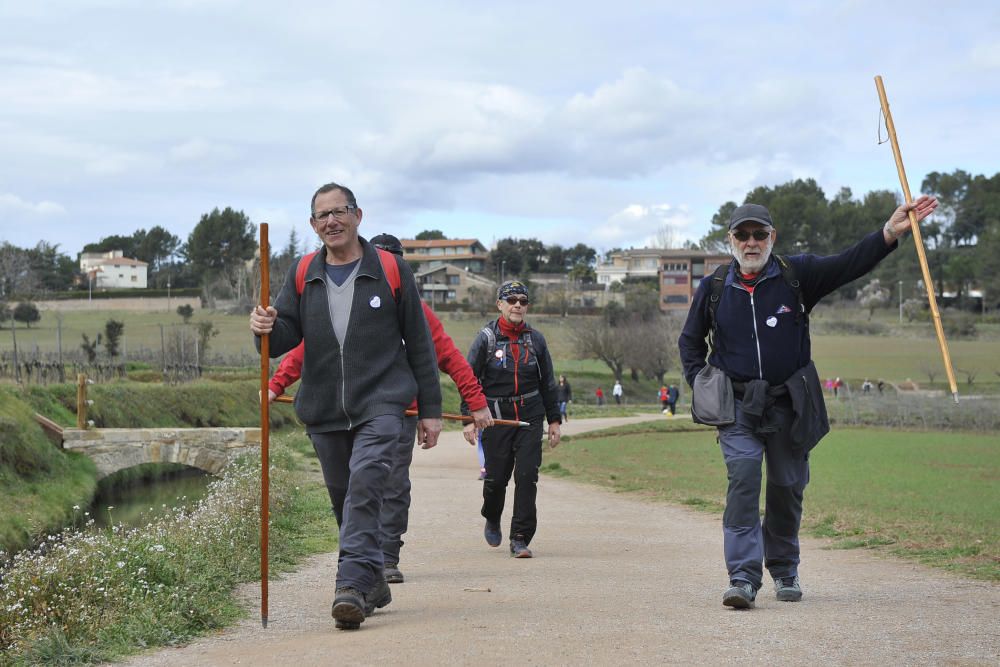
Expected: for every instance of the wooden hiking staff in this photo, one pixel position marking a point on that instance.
(918, 240)
(265, 420)
(465, 419)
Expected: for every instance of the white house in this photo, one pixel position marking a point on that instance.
(110, 270)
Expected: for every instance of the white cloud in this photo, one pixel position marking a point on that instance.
(986, 55)
(11, 204)
(536, 120)
(644, 225)
(199, 149)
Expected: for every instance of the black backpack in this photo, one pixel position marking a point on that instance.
(719, 282)
(491, 345)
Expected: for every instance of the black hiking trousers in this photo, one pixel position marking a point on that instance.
(512, 451)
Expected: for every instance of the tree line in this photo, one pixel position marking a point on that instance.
(963, 243)
(962, 238)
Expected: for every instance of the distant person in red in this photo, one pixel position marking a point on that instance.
(600, 396)
(664, 398)
(393, 519)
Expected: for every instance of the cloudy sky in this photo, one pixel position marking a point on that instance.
(565, 121)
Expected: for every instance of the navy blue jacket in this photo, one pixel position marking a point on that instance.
(757, 335)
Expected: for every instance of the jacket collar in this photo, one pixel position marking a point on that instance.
(369, 262)
(770, 270)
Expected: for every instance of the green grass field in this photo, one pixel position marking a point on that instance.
(928, 496)
(850, 357)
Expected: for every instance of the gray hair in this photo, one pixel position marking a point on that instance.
(330, 187)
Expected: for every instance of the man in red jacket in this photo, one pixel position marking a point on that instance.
(395, 512)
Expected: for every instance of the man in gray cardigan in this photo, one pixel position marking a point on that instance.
(368, 352)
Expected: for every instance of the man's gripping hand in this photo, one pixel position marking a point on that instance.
(428, 431)
(262, 321)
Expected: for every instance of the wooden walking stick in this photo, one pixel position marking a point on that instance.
(265, 420)
(465, 419)
(918, 240)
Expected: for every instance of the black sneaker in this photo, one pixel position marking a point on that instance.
(377, 597)
(348, 609)
(492, 534)
(392, 573)
(788, 589)
(518, 548)
(739, 595)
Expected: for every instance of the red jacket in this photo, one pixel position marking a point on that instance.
(450, 360)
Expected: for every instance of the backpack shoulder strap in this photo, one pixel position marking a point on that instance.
(531, 351)
(491, 341)
(391, 271)
(300, 271)
(389, 267)
(717, 284)
(788, 273)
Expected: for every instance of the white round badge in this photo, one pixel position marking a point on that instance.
(376, 302)
(771, 321)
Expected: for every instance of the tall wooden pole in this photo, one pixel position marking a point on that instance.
(81, 400)
(918, 240)
(265, 421)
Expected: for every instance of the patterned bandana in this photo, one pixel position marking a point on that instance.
(510, 288)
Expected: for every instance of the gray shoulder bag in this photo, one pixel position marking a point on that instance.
(712, 398)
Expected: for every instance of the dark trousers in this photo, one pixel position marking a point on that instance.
(518, 452)
(749, 543)
(394, 518)
(356, 465)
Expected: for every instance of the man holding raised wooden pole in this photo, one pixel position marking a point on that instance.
(760, 388)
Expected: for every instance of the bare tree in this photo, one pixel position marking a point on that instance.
(604, 342)
(930, 370)
(969, 373)
(666, 237)
(873, 296)
(16, 276)
(651, 346)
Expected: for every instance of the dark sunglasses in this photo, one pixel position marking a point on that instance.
(513, 299)
(757, 234)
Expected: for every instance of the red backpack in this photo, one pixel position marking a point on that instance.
(389, 268)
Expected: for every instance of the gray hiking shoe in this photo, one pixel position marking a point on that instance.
(348, 609)
(739, 595)
(519, 549)
(788, 589)
(392, 573)
(378, 597)
(492, 534)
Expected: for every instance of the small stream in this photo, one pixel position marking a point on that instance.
(141, 500)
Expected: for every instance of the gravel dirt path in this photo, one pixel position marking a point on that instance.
(615, 580)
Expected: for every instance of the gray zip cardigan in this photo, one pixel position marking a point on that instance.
(374, 373)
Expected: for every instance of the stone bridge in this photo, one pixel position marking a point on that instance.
(114, 449)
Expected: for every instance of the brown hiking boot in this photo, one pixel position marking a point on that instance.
(348, 609)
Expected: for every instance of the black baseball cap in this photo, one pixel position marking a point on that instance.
(388, 242)
(750, 213)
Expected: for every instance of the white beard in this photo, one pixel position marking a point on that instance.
(756, 264)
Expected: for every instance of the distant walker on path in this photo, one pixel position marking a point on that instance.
(512, 361)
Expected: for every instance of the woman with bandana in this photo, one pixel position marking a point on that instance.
(514, 367)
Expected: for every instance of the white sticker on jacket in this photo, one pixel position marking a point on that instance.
(772, 321)
(376, 302)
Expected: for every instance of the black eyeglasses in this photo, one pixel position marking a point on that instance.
(757, 234)
(339, 214)
(513, 300)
